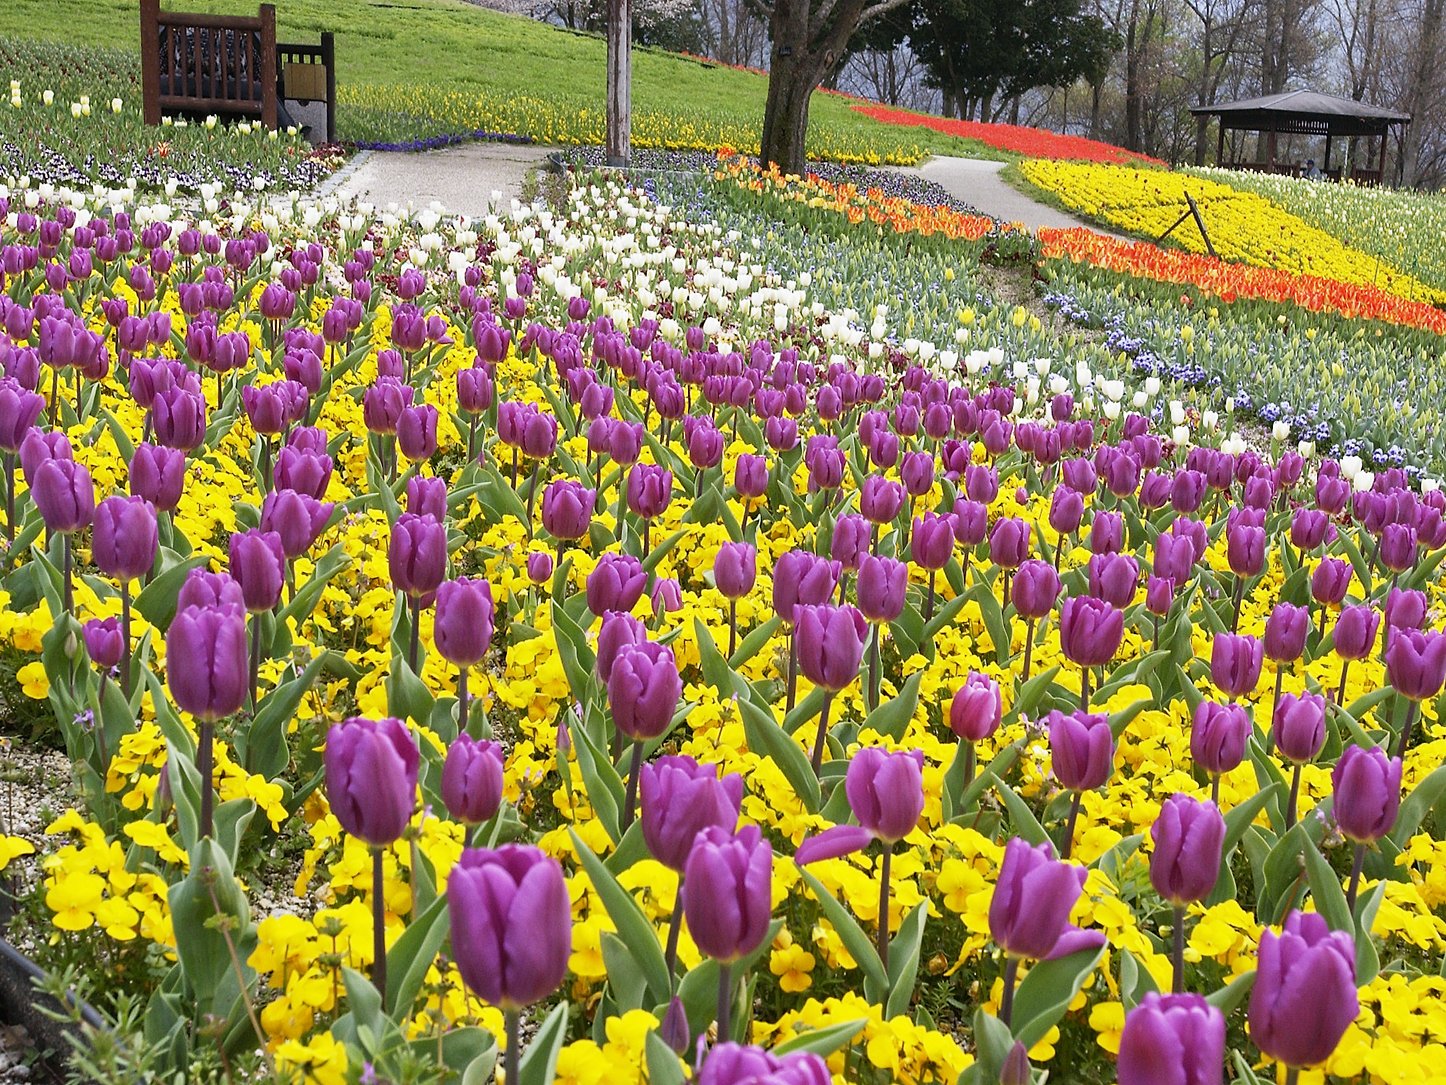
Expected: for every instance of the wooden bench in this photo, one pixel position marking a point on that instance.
(230, 66)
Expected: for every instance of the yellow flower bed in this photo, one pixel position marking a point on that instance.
(1244, 227)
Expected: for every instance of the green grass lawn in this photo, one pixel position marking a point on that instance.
(415, 68)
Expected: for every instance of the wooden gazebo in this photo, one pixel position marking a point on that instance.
(1306, 112)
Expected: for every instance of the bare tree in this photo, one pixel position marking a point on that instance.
(734, 32)
(1222, 23)
(1421, 91)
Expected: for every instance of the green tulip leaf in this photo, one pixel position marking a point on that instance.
(860, 945)
(539, 1062)
(1047, 992)
(633, 927)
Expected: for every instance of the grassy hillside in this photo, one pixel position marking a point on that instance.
(411, 69)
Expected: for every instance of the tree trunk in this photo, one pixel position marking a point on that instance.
(785, 116)
(1422, 87)
(1096, 90)
(1133, 50)
(620, 80)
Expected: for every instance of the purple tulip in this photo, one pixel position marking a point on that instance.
(1398, 547)
(802, 578)
(1188, 835)
(64, 494)
(830, 644)
(567, 509)
(618, 630)
(1304, 997)
(19, 408)
(464, 621)
(1009, 542)
(1235, 663)
(1300, 726)
(417, 432)
(1172, 1040)
(880, 499)
(1082, 749)
(750, 476)
(1355, 632)
(882, 589)
(1406, 609)
(1107, 533)
(178, 417)
(1218, 736)
(206, 648)
(104, 642)
(1035, 589)
(1113, 578)
(1066, 510)
(1029, 912)
(298, 519)
(917, 473)
(1308, 528)
(417, 554)
(1285, 632)
(1090, 630)
(511, 921)
(158, 474)
(1367, 787)
(258, 564)
(732, 1064)
(1159, 595)
(1416, 663)
(850, 543)
(971, 522)
(1330, 581)
(977, 708)
(932, 542)
(649, 490)
(206, 589)
(729, 902)
(472, 779)
(539, 567)
(125, 542)
(615, 583)
(371, 777)
(643, 689)
(735, 569)
(1245, 548)
(886, 791)
(680, 799)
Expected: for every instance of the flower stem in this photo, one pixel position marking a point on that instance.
(68, 563)
(1356, 864)
(1006, 1004)
(1028, 648)
(792, 671)
(725, 1000)
(1341, 692)
(1290, 803)
(675, 927)
(1067, 844)
(414, 645)
(971, 758)
(1084, 689)
(255, 661)
(1178, 950)
(1406, 729)
(514, 1045)
(884, 904)
(463, 703)
(732, 627)
(1215, 787)
(630, 800)
(822, 732)
(205, 770)
(379, 925)
(125, 674)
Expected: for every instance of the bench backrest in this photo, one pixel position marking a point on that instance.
(224, 64)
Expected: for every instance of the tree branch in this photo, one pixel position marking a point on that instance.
(882, 7)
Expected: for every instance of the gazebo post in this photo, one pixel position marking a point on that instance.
(1220, 145)
(1326, 166)
(1270, 147)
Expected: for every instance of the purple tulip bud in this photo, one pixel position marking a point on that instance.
(1066, 510)
(882, 589)
(1113, 578)
(19, 408)
(750, 476)
(1398, 547)
(681, 798)
(207, 650)
(886, 791)
(1285, 632)
(1245, 548)
(643, 689)
(735, 569)
(103, 642)
(179, 418)
(649, 490)
(1308, 528)
(830, 644)
(977, 708)
(567, 509)
(1300, 726)
(802, 578)
(1304, 997)
(64, 494)
(1218, 736)
(417, 554)
(1188, 835)
(1367, 786)
(616, 583)
(371, 777)
(880, 499)
(125, 542)
(1355, 632)
(1035, 589)
(1029, 912)
(1406, 609)
(733, 1064)
(932, 542)
(1090, 630)
(464, 621)
(729, 900)
(258, 564)
(1416, 663)
(1082, 749)
(427, 496)
(1330, 581)
(1107, 533)
(1235, 663)
(539, 567)
(511, 921)
(1159, 595)
(1009, 542)
(971, 522)
(472, 779)
(1172, 1040)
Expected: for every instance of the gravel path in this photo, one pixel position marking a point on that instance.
(469, 179)
(976, 181)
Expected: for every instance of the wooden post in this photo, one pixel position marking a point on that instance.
(1326, 166)
(1220, 144)
(1270, 148)
(620, 82)
(268, 65)
(151, 61)
(328, 57)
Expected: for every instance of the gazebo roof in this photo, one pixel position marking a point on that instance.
(1304, 111)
